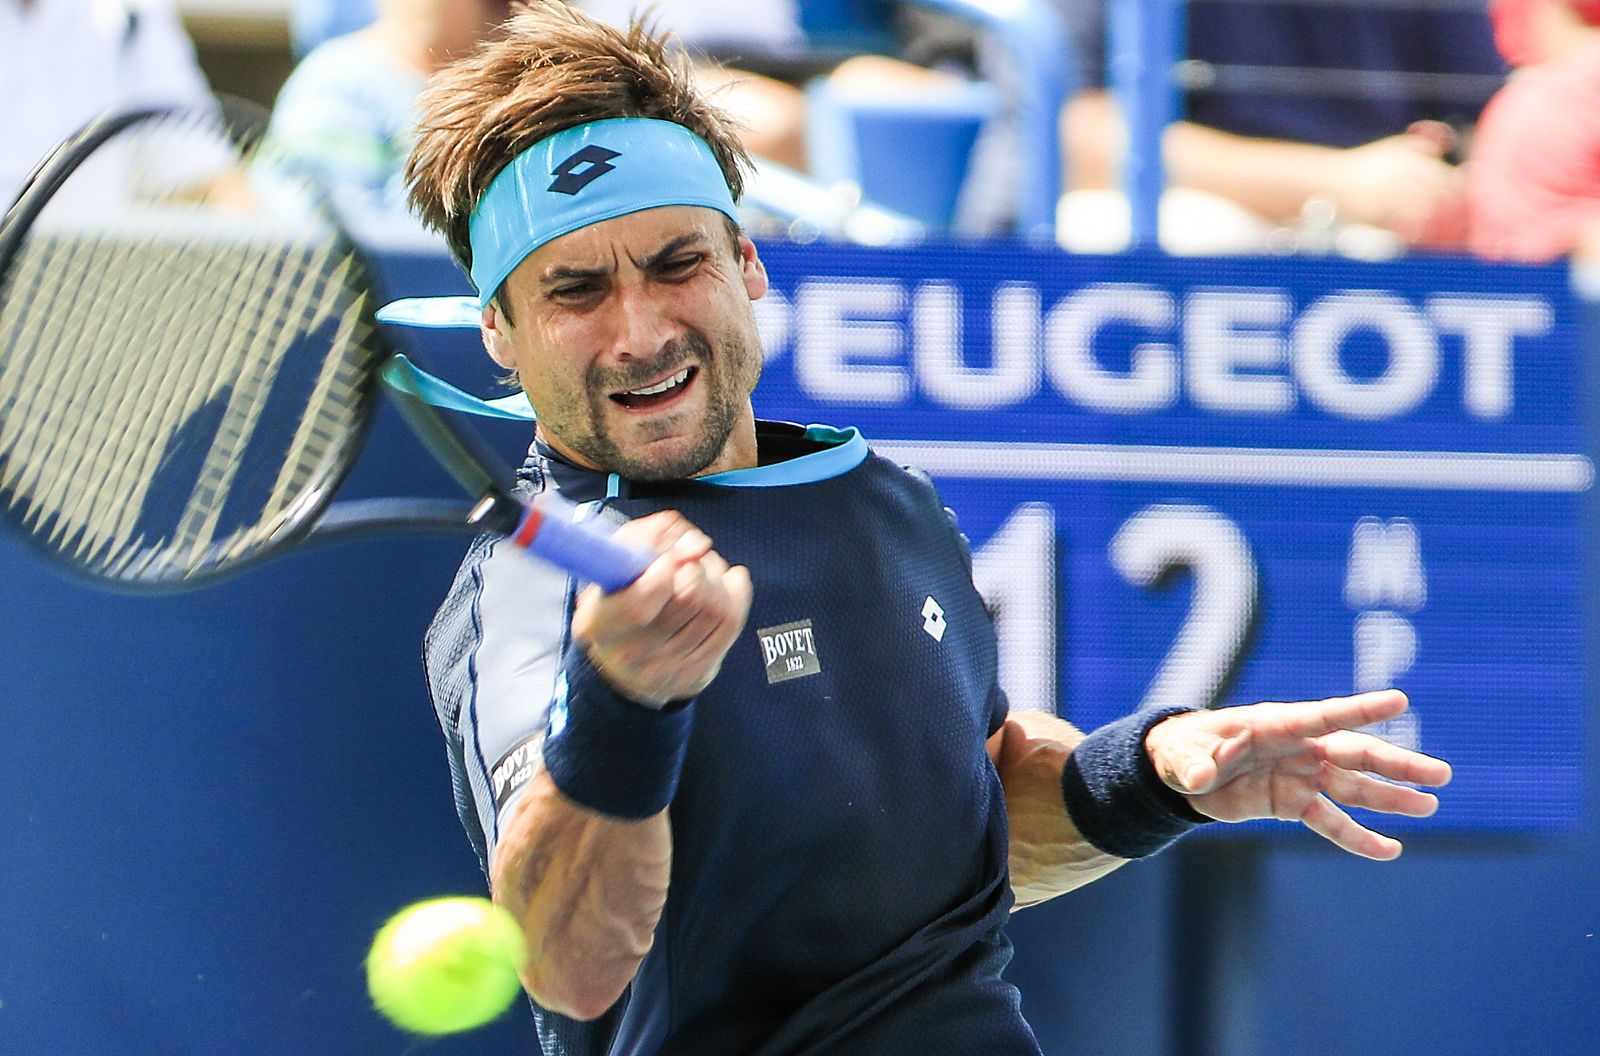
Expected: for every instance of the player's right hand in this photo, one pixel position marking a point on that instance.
(663, 637)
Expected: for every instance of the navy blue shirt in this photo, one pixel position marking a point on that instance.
(839, 880)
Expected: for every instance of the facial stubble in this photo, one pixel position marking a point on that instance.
(728, 373)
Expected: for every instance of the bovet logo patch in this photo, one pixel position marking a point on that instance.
(515, 768)
(789, 651)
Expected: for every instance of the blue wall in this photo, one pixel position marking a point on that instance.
(209, 802)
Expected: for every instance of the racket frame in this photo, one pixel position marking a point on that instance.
(546, 528)
(318, 517)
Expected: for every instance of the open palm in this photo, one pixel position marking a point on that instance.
(1298, 762)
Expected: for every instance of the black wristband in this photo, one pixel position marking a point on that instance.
(608, 754)
(1114, 795)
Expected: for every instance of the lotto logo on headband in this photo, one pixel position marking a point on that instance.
(570, 181)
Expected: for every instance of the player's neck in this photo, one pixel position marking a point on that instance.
(740, 452)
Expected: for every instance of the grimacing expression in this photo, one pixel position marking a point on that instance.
(636, 343)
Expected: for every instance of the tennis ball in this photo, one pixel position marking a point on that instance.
(446, 964)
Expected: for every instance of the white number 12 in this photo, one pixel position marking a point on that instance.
(1162, 539)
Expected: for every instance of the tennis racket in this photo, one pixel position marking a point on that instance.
(189, 365)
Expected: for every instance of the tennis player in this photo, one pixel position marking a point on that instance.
(768, 800)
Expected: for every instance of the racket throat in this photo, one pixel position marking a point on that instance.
(495, 513)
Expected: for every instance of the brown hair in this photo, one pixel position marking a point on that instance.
(554, 68)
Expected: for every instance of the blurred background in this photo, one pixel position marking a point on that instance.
(1251, 341)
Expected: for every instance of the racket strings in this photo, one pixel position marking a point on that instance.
(91, 487)
(257, 369)
(318, 438)
(310, 306)
(71, 444)
(178, 385)
(175, 394)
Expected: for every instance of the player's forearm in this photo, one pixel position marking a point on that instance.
(1048, 855)
(1080, 806)
(588, 890)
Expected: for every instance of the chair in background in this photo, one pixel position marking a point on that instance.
(914, 155)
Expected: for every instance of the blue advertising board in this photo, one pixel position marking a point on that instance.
(1214, 481)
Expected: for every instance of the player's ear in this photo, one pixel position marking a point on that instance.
(496, 342)
(753, 271)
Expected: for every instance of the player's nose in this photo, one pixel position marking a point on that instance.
(644, 324)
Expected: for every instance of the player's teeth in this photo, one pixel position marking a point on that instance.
(677, 379)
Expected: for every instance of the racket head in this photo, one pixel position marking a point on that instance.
(188, 354)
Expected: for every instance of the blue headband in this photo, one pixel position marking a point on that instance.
(577, 177)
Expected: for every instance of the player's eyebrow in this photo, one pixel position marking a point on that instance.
(561, 273)
(672, 248)
(568, 273)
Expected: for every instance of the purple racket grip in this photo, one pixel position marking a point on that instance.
(583, 548)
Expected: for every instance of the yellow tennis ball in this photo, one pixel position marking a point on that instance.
(446, 964)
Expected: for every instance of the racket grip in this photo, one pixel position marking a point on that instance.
(584, 548)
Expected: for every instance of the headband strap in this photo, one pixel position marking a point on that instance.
(577, 177)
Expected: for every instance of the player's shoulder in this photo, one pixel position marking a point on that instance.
(455, 620)
(919, 484)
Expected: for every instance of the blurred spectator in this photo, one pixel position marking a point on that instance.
(63, 62)
(770, 111)
(313, 21)
(345, 113)
(1345, 112)
(753, 56)
(1534, 176)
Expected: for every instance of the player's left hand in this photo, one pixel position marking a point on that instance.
(1297, 762)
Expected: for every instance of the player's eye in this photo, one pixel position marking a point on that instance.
(681, 266)
(575, 291)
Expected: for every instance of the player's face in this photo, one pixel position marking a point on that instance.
(636, 343)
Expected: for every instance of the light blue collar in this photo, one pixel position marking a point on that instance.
(602, 170)
(846, 450)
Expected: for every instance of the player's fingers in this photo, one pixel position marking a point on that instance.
(663, 531)
(695, 597)
(1361, 751)
(699, 604)
(626, 614)
(708, 654)
(715, 564)
(1315, 718)
(1192, 772)
(702, 645)
(1343, 831)
(736, 582)
(735, 585)
(638, 641)
(686, 645)
(1183, 749)
(1355, 789)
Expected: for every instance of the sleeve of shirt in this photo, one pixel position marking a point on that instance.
(492, 656)
(999, 708)
(999, 705)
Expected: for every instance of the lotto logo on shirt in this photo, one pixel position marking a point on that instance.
(789, 651)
